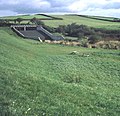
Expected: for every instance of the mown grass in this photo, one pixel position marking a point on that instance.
(41, 79)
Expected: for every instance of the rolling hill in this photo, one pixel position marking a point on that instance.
(24, 17)
(68, 19)
(42, 79)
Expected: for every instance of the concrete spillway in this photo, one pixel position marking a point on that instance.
(35, 32)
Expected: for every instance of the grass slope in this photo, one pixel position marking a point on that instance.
(68, 19)
(41, 79)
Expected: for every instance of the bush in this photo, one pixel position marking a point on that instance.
(84, 43)
(19, 20)
(80, 35)
(94, 38)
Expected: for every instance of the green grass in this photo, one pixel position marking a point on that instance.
(68, 19)
(102, 17)
(41, 79)
(24, 17)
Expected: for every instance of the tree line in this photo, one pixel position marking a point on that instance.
(83, 31)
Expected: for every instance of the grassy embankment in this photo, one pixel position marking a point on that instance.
(42, 79)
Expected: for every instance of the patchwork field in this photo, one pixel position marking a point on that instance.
(68, 19)
(25, 17)
(41, 79)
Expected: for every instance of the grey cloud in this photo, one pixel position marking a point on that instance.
(114, 5)
(27, 7)
(52, 6)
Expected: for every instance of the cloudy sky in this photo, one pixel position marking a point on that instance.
(89, 7)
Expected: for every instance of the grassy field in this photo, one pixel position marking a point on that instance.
(45, 80)
(25, 17)
(101, 17)
(68, 19)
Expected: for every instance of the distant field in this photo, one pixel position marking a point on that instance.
(67, 19)
(38, 79)
(100, 17)
(25, 17)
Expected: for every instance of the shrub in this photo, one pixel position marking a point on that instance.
(94, 38)
(19, 20)
(84, 43)
(80, 35)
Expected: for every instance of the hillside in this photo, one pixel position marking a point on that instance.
(24, 17)
(42, 79)
(68, 19)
